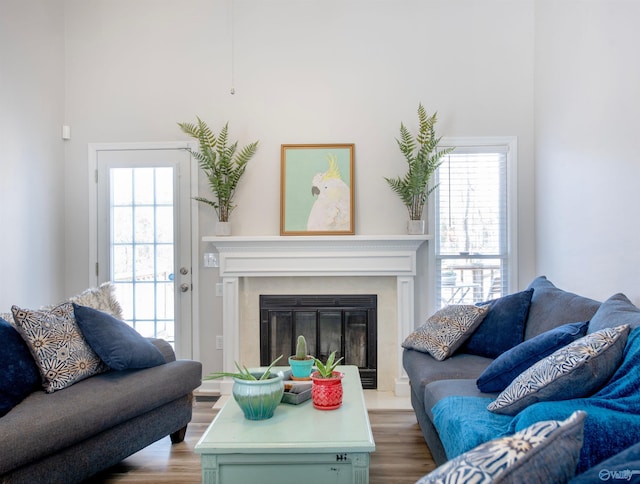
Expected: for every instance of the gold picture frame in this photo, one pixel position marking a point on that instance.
(316, 189)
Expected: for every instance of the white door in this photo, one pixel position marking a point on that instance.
(144, 239)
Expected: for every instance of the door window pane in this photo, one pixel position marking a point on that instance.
(142, 247)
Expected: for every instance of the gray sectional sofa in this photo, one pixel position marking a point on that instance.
(433, 382)
(74, 433)
(81, 389)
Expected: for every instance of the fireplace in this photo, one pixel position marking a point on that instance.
(346, 324)
(384, 265)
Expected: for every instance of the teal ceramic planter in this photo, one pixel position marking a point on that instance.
(258, 399)
(301, 369)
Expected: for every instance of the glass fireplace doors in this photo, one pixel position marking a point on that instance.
(344, 324)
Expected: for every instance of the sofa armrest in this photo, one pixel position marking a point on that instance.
(165, 348)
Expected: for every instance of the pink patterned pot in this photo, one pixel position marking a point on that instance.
(326, 393)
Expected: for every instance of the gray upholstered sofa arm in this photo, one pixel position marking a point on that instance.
(165, 348)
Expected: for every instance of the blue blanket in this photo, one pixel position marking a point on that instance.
(612, 423)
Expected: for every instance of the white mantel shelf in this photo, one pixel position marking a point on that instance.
(356, 255)
(298, 256)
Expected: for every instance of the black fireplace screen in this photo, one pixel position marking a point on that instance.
(346, 324)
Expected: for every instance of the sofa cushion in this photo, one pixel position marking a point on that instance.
(57, 345)
(547, 451)
(503, 326)
(506, 367)
(116, 343)
(552, 307)
(463, 422)
(422, 369)
(446, 330)
(437, 391)
(20, 375)
(615, 311)
(575, 371)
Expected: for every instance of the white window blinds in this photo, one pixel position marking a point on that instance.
(472, 232)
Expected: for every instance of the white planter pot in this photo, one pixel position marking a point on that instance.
(223, 228)
(416, 227)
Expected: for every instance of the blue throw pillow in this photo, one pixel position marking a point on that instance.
(116, 343)
(20, 374)
(506, 367)
(503, 326)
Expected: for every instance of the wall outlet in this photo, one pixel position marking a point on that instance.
(219, 289)
(219, 342)
(211, 260)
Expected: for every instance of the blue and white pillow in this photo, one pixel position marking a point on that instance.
(546, 451)
(574, 371)
(62, 354)
(446, 330)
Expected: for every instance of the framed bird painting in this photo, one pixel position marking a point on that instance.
(316, 189)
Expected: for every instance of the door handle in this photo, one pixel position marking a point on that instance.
(184, 271)
(184, 287)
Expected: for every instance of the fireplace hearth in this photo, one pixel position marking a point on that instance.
(346, 324)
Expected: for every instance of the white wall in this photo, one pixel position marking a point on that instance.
(304, 72)
(587, 168)
(32, 269)
(333, 71)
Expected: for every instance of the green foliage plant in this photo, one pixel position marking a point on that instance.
(325, 370)
(424, 158)
(222, 163)
(301, 349)
(243, 373)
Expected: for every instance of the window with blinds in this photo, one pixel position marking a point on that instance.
(472, 231)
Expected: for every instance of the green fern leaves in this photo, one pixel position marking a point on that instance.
(221, 162)
(424, 158)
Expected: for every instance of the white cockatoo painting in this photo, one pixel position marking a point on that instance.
(331, 210)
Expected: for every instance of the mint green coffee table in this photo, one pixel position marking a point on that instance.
(298, 444)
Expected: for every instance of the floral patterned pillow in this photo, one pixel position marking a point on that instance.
(446, 330)
(62, 354)
(546, 451)
(574, 371)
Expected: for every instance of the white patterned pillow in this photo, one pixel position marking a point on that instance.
(101, 298)
(545, 452)
(574, 371)
(57, 345)
(446, 330)
(8, 317)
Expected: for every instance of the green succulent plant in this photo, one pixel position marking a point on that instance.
(243, 372)
(325, 370)
(221, 162)
(424, 158)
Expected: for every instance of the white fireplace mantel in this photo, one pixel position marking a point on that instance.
(298, 256)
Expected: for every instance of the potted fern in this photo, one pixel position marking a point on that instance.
(326, 388)
(424, 158)
(223, 164)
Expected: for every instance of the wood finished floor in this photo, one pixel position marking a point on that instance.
(401, 455)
